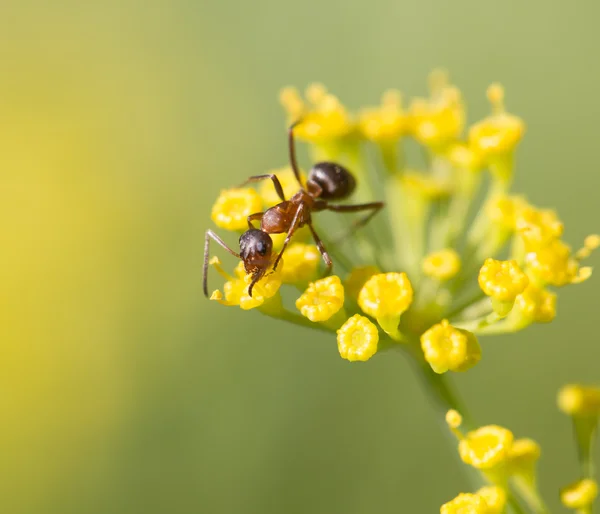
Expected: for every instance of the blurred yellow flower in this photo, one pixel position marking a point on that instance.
(386, 122)
(579, 400)
(466, 503)
(322, 118)
(499, 133)
(495, 498)
(233, 206)
(536, 304)
(580, 494)
(442, 265)
(486, 447)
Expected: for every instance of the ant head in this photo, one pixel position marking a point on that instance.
(330, 181)
(255, 250)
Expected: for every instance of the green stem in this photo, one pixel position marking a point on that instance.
(530, 495)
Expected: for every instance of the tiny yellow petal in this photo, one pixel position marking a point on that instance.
(486, 447)
(537, 304)
(385, 295)
(233, 207)
(448, 348)
(322, 299)
(579, 400)
(465, 503)
(216, 295)
(580, 494)
(582, 275)
(495, 498)
(453, 418)
(502, 280)
(301, 263)
(442, 265)
(357, 339)
(592, 242)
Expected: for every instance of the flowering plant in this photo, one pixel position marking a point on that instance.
(460, 257)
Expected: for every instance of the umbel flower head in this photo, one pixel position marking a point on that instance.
(436, 271)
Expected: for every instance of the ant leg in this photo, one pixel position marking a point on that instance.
(374, 207)
(321, 247)
(211, 235)
(252, 217)
(292, 146)
(273, 177)
(293, 226)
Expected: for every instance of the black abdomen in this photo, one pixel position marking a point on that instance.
(335, 181)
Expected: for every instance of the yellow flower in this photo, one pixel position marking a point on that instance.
(553, 264)
(322, 299)
(580, 494)
(439, 121)
(386, 122)
(448, 348)
(288, 183)
(323, 117)
(537, 304)
(301, 262)
(522, 458)
(537, 227)
(442, 265)
(236, 288)
(495, 498)
(499, 133)
(386, 294)
(356, 279)
(466, 503)
(357, 339)
(579, 400)
(502, 280)
(233, 207)
(486, 447)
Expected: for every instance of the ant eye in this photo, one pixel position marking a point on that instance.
(261, 248)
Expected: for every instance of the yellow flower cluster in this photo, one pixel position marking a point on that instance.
(407, 286)
(442, 274)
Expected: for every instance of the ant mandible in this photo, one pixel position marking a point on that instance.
(326, 182)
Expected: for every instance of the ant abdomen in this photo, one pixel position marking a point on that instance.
(334, 182)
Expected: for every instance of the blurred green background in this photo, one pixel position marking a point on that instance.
(122, 390)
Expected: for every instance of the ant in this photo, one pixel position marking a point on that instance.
(327, 181)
